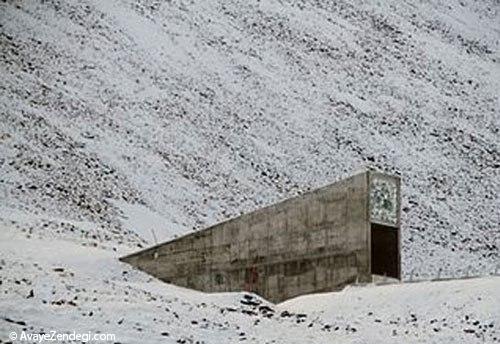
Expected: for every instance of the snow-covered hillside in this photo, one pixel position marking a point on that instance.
(127, 122)
(86, 289)
(195, 112)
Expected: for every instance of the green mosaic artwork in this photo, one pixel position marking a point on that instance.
(384, 201)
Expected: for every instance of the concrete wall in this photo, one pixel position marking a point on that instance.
(315, 242)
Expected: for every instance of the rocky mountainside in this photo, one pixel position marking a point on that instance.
(127, 122)
(185, 113)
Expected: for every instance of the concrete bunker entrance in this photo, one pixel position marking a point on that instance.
(385, 251)
(319, 241)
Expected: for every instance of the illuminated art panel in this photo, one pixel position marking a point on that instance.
(384, 202)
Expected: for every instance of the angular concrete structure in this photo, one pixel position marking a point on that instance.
(316, 242)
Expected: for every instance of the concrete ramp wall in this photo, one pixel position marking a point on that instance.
(319, 241)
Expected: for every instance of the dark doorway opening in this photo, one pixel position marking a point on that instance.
(385, 250)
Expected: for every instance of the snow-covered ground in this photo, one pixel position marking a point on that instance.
(126, 122)
(56, 285)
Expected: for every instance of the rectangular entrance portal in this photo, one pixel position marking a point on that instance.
(385, 251)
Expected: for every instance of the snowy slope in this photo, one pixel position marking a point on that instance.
(198, 111)
(123, 123)
(89, 290)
